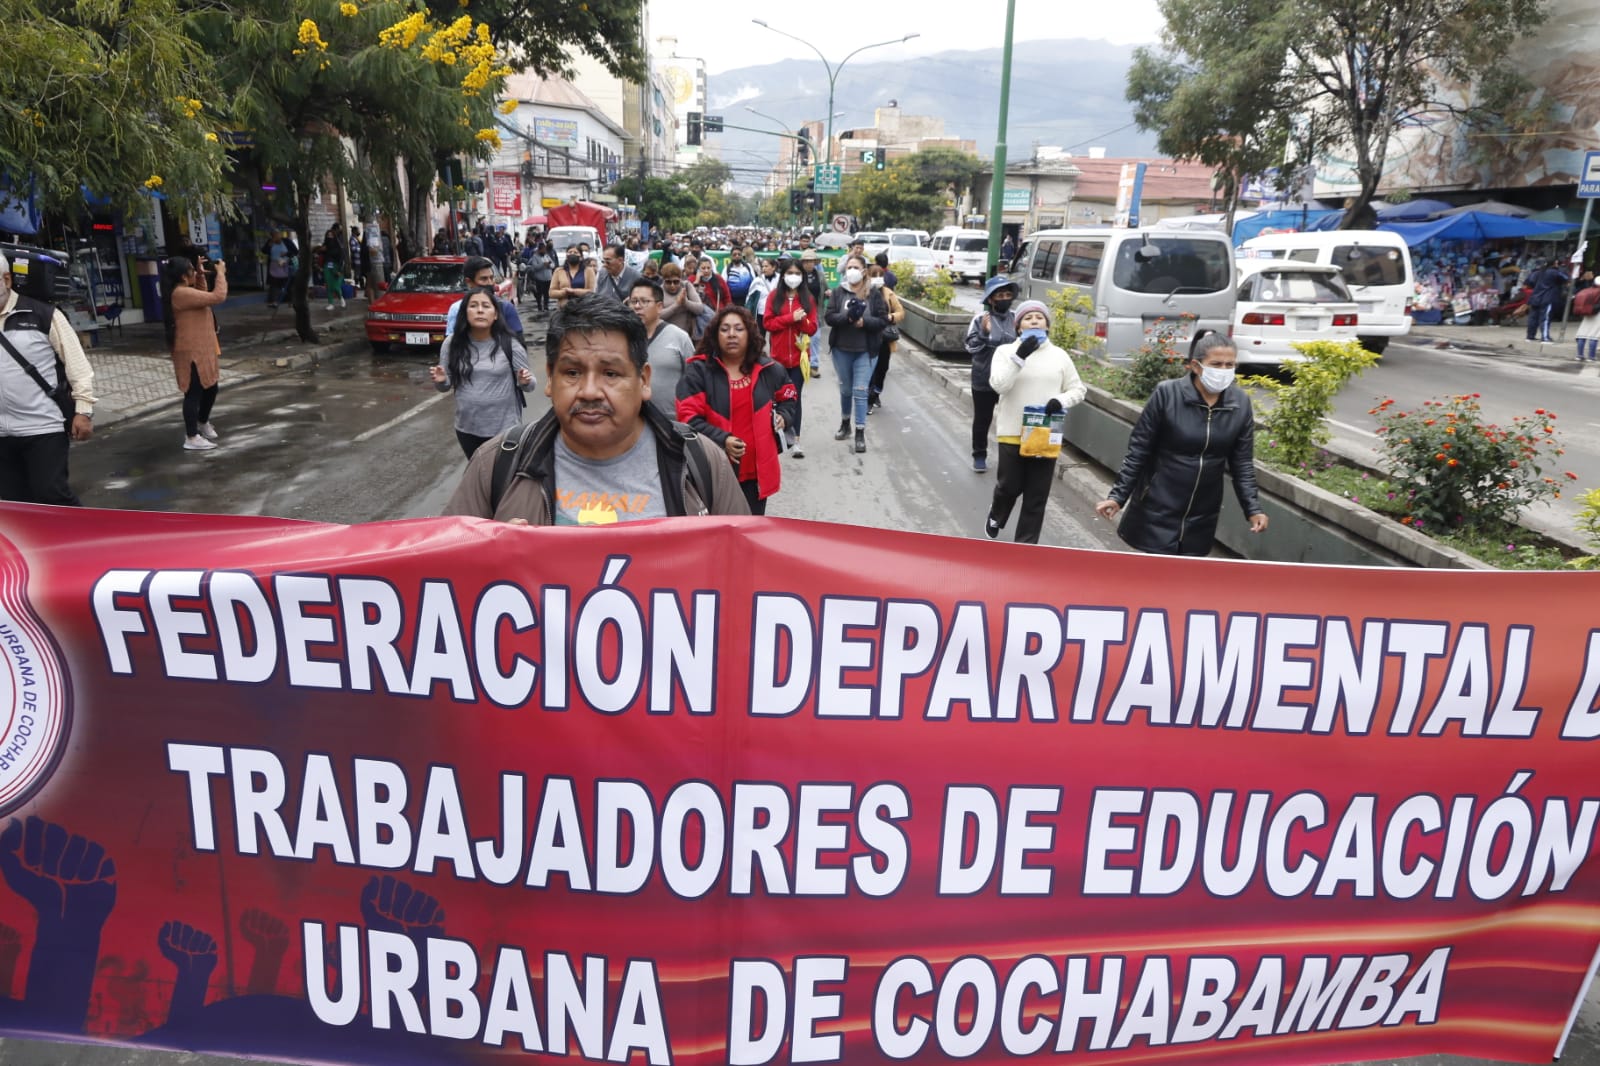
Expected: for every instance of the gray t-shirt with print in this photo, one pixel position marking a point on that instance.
(487, 406)
(601, 492)
(670, 350)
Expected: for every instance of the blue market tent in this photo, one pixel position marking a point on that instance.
(1302, 220)
(1471, 226)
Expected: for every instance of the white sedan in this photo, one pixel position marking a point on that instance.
(1281, 304)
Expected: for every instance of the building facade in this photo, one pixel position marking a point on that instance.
(685, 80)
(556, 145)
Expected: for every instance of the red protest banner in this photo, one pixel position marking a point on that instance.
(443, 790)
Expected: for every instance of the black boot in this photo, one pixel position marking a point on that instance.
(844, 429)
(861, 440)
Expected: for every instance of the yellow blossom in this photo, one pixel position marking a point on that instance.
(153, 181)
(310, 35)
(404, 34)
(508, 107)
(212, 137)
(349, 11)
(489, 137)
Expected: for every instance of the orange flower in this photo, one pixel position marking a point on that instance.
(1571, 476)
(1454, 463)
(1440, 457)
(1514, 464)
(1538, 410)
(1428, 421)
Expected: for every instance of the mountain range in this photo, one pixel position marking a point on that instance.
(1066, 93)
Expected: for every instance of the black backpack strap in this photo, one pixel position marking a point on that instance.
(31, 370)
(699, 466)
(505, 465)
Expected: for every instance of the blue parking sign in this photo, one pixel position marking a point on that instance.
(1589, 180)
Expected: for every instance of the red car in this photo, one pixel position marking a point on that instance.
(411, 311)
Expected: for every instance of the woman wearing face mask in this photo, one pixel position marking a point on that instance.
(790, 315)
(1028, 372)
(713, 290)
(761, 286)
(487, 367)
(573, 278)
(856, 314)
(734, 395)
(1192, 431)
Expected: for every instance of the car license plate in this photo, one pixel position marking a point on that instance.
(1306, 323)
(418, 338)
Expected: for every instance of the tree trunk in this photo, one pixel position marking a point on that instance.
(419, 184)
(299, 287)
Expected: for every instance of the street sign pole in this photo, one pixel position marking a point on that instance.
(1588, 191)
(997, 187)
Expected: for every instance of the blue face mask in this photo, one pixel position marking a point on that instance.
(1037, 334)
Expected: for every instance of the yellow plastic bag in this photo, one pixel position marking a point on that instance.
(805, 356)
(1042, 433)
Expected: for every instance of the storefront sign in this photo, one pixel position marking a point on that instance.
(751, 791)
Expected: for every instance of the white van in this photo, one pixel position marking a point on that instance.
(1376, 266)
(1138, 280)
(563, 237)
(963, 252)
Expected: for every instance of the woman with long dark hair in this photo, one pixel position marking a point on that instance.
(488, 369)
(734, 395)
(791, 317)
(192, 338)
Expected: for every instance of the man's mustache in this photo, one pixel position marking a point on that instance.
(591, 406)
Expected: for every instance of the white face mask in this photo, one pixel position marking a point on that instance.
(792, 280)
(877, 283)
(1215, 378)
(852, 277)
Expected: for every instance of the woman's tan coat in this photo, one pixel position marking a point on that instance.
(194, 340)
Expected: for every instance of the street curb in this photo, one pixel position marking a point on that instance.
(282, 364)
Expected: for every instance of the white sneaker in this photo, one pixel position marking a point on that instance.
(197, 444)
(329, 307)
(797, 451)
(207, 431)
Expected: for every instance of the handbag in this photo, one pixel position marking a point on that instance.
(61, 395)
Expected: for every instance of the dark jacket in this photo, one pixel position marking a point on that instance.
(531, 494)
(705, 405)
(1171, 479)
(843, 333)
(981, 345)
(1548, 285)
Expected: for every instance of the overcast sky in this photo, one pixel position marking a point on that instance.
(723, 35)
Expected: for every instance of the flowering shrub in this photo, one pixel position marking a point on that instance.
(1463, 472)
(1589, 526)
(1295, 426)
(1158, 358)
(1070, 312)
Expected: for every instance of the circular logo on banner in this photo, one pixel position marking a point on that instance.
(35, 691)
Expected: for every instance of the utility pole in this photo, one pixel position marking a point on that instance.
(997, 188)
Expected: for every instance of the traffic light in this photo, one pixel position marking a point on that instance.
(694, 127)
(797, 200)
(881, 160)
(803, 150)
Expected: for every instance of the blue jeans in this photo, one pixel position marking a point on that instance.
(855, 374)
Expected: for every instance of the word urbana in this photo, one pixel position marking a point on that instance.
(792, 1010)
(613, 650)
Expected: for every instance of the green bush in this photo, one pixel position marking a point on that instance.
(1296, 427)
(1463, 472)
(1589, 526)
(1069, 331)
(1158, 359)
(938, 292)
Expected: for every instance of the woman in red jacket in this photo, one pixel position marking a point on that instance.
(713, 290)
(736, 396)
(791, 315)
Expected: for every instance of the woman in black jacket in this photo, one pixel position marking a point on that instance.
(1192, 430)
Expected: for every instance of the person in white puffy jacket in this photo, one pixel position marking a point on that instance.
(1029, 371)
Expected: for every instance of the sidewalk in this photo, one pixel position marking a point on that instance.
(133, 370)
(1509, 341)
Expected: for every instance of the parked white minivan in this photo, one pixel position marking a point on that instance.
(1138, 280)
(1376, 266)
(962, 252)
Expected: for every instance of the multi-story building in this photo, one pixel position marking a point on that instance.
(685, 78)
(1053, 189)
(893, 133)
(557, 145)
(644, 109)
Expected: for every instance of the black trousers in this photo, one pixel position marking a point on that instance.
(880, 371)
(197, 402)
(1029, 478)
(34, 469)
(752, 496)
(541, 294)
(983, 404)
(798, 378)
(469, 443)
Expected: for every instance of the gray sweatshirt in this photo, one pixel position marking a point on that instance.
(486, 406)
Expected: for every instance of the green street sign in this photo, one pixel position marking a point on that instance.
(829, 177)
